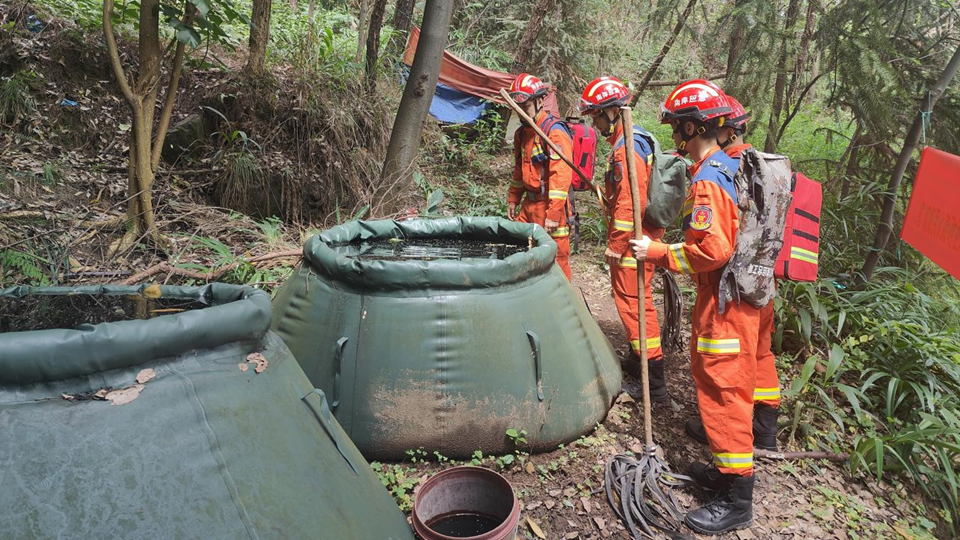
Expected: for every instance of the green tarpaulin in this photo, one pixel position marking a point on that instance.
(205, 449)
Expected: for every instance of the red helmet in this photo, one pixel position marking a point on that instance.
(698, 99)
(602, 93)
(738, 117)
(525, 87)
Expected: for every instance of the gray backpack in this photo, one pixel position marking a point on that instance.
(763, 194)
(668, 181)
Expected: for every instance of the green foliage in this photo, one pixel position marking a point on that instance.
(517, 437)
(51, 173)
(16, 102)
(890, 381)
(22, 268)
(399, 481)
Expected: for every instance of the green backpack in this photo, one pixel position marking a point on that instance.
(668, 180)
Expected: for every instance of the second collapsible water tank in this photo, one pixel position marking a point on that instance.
(444, 334)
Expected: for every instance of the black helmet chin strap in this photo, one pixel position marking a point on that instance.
(611, 122)
(684, 138)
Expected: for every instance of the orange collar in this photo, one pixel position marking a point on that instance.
(696, 166)
(735, 150)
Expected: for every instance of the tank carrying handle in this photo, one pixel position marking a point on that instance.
(322, 412)
(341, 343)
(534, 340)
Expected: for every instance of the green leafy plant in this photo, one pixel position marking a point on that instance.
(22, 267)
(16, 101)
(51, 173)
(399, 481)
(517, 437)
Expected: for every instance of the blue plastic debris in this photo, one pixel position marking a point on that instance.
(68, 103)
(34, 24)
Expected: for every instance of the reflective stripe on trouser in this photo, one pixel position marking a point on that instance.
(624, 280)
(768, 382)
(724, 367)
(536, 212)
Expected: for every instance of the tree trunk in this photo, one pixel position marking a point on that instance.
(885, 226)
(402, 21)
(534, 25)
(736, 36)
(853, 156)
(141, 96)
(803, 52)
(167, 112)
(312, 18)
(415, 103)
(780, 87)
(259, 37)
(373, 44)
(652, 70)
(362, 29)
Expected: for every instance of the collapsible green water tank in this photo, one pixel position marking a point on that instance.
(197, 423)
(444, 334)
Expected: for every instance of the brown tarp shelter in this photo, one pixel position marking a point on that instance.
(470, 79)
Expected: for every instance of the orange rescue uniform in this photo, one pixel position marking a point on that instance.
(768, 381)
(536, 162)
(723, 346)
(619, 232)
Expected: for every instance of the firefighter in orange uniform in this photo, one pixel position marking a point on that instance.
(541, 179)
(766, 396)
(601, 100)
(723, 344)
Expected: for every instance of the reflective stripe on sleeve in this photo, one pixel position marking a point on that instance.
(621, 225)
(680, 258)
(557, 194)
(560, 232)
(516, 184)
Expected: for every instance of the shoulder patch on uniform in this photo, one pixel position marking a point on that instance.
(554, 155)
(700, 218)
(721, 167)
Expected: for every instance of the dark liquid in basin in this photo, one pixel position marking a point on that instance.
(464, 525)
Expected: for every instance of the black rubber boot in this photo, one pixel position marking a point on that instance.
(765, 427)
(631, 364)
(695, 430)
(658, 382)
(709, 477)
(732, 510)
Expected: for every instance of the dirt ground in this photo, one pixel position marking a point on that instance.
(561, 492)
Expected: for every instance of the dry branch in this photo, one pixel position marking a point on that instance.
(167, 268)
(28, 214)
(780, 456)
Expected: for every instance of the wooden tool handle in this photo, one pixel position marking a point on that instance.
(553, 146)
(626, 119)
